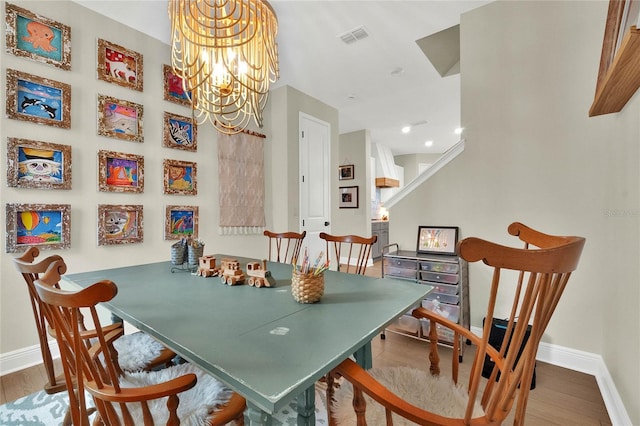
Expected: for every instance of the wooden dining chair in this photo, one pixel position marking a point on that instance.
(181, 393)
(532, 279)
(142, 351)
(284, 246)
(356, 250)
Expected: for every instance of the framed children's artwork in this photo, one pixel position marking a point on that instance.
(181, 222)
(437, 239)
(120, 172)
(173, 88)
(119, 65)
(179, 132)
(346, 172)
(348, 197)
(46, 226)
(38, 38)
(120, 224)
(38, 100)
(180, 177)
(120, 119)
(35, 164)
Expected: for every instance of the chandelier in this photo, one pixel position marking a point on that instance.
(226, 54)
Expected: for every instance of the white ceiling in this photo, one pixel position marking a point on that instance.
(355, 78)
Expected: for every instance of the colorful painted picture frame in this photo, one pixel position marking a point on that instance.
(36, 164)
(437, 239)
(120, 224)
(120, 172)
(348, 197)
(181, 222)
(173, 88)
(180, 177)
(179, 132)
(119, 65)
(46, 226)
(120, 119)
(346, 172)
(35, 37)
(38, 100)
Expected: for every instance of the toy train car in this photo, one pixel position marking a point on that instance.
(231, 272)
(258, 274)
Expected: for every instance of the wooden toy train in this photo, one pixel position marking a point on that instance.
(231, 274)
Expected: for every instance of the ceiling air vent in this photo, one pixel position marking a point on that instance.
(354, 35)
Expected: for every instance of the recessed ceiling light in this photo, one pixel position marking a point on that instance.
(428, 143)
(406, 129)
(458, 130)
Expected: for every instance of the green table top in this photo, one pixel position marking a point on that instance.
(259, 341)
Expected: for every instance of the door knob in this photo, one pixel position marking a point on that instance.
(326, 224)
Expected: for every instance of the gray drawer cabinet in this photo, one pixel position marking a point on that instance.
(448, 275)
(380, 229)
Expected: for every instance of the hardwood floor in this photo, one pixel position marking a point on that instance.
(562, 397)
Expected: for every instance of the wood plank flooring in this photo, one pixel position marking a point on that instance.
(562, 397)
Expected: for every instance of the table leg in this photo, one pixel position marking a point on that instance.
(364, 357)
(253, 416)
(306, 407)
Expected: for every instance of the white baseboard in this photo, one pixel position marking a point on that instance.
(20, 359)
(584, 362)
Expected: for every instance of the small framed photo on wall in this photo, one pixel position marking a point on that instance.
(120, 119)
(346, 172)
(119, 224)
(119, 65)
(38, 38)
(179, 132)
(120, 172)
(181, 222)
(35, 164)
(38, 100)
(348, 197)
(180, 177)
(46, 226)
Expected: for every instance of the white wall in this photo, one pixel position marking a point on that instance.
(355, 148)
(410, 163)
(528, 75)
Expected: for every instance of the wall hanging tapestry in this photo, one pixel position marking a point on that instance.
(241, 183)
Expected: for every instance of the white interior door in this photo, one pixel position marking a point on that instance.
(315, 182)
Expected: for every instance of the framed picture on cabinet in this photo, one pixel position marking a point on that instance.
(173, 88)
(437, 239)
(120, 172)
(120, 119)
(179, 132)
(38, 38)
(38, 100)
(119, 224)
(119, 65)
(46, 226)
(180, 177)
(346, 172)
(35, 164)
(181, 222)
(348, 197)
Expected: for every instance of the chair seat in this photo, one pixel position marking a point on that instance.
(437, 394)
(137, 350)
(196, 404)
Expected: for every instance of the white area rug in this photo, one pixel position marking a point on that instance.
(40, 409)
